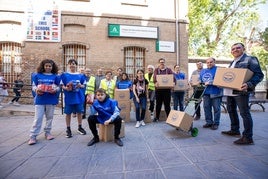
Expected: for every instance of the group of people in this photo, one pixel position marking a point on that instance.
(81, 89)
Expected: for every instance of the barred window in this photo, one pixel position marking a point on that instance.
(10, 60)
(77, 52)
(134, 60)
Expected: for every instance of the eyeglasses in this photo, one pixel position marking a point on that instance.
(161, 62)
(236, 48)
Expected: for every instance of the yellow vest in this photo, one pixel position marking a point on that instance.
(90, 86)
(109, 89)
(151, 85)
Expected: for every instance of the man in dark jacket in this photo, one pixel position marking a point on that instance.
(241, 98)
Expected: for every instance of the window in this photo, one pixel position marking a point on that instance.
(134, 60)
(77, 52)
(10, 60)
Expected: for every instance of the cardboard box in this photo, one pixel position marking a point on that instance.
(106, 132)
(163, 115)
(124, 105)
(181, 85)
(232, 77)
(125, 115)
(165, 81)
(148, 117)
(180, 119)
(121, 94)
(195, 80)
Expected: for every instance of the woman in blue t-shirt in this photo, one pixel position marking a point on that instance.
(125, 83)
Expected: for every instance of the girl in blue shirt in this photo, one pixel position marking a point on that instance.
(125, 83)
(45, 84)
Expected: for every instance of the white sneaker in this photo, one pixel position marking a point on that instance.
(142, 123)
(138, 124)
(152, 115)
(10, 102)
(16, 103)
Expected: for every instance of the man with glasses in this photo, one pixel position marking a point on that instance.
(212, 96)
(241, 98)
(162, 95)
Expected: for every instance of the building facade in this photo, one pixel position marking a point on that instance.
(97, 33)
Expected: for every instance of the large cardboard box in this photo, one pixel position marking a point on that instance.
(165, 81)
(195, 80)
(125, 115)
(106, 132)
(180, 119)
(181, 85)
(124, 105)
(232, 77)
(121, 94)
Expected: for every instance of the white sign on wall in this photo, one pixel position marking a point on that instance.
(165, 46)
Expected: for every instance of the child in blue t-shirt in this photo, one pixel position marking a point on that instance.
(125, 83)
(45, 84)
(73, 84)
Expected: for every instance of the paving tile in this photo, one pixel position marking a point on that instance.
(183, 171)
(145, 174)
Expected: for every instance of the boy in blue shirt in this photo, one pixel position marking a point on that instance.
(73, 84)
(108, 113)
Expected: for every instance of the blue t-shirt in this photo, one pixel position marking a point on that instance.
(45, 82)
(77, 95)
(179, 76)
(207, 75)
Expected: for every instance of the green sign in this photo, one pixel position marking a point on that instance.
(114, 30)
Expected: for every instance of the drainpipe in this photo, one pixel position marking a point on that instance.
(177, 31)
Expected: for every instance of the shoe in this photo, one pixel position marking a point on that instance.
(32, 141)
(196, 118)
(16, 104)
(81, 131)
(155, 119)
(10, 102)
(118, 142)
(231, 133)
(49, 137)
(244, 141)
(69, 134)
(138, 124)
(207, 125)
(214, 127)
(142, 123)
(93, 141)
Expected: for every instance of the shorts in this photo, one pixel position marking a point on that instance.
(73, 108)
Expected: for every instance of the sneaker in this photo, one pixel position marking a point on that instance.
(142, 123)
(69, 134)
(214, 127)
(81, 131)
(244, 141)
(152, 115)
(207, 125)
(49, 137)
(155, 119)
(10, 102)
(231, 133)
(118, 142)
(16, 104)
(93, 141)
(32, 141)
(138, 124)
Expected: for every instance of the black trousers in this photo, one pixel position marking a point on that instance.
(92, 121)
(162, 96)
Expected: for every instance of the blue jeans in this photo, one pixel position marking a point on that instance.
(242, 102)
(178, 99)
(140, 108)
(210, 103)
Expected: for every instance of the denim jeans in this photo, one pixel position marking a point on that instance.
(242, 102)
(140, 108)
(178, 99)
(40, 111)
(210, 103)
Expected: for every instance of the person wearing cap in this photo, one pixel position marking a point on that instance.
(151, 88)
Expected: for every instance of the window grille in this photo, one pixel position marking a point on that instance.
(10, 60)
(134, 60)
(77, 52)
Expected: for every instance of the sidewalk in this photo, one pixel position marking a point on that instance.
(153, 151)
